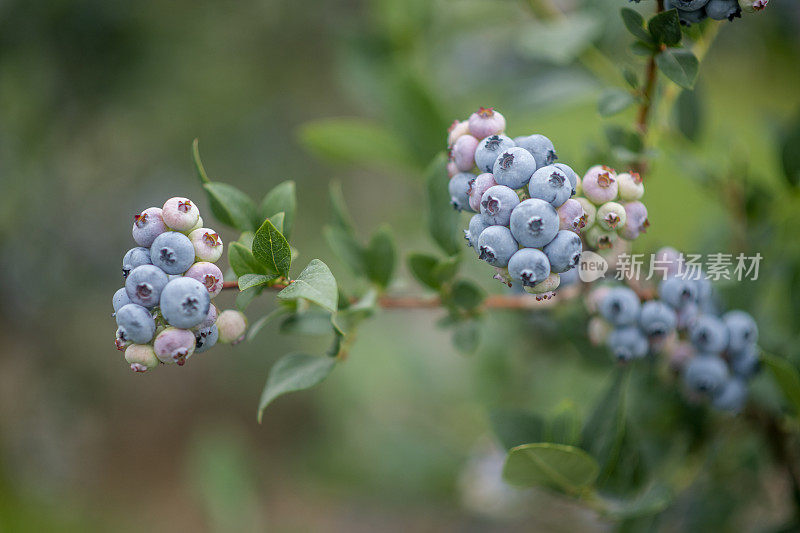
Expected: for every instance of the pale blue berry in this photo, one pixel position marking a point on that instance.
(705, 373)
(514, 167)
(627, 343)
(135, 324)
(709, 334)
(731, 395)
(743, 330)
(496, 245)
(206, 338)
(564, 251)
(746, 362)
(133, 258)
(534, 223)
(185, 303)
(571, 174)
(552, 185)
(476, 226)
(172, 252)
(678, 292)
(459, 188)
(144, 285)
(529, 266)
(540, 147)
(120, 298)
(620, 306)
(489, 149)
(497, 203)
(657, 319)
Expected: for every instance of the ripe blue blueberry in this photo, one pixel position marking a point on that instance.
(185, 302)
(552, 185)
(513, 167)
(458, 188)
(688, 5)
(529, 266)
(686, 17)
(172, 252)
(743, 330)
(133, 258)
(135, 324)
(490, 149)
(496, 245)
(731, 395)
(620, 306)
(540, 147)
(148, 225)
(205, 338)
(678, 292)
(564, 251)
(144, 285)
(627, 343)
(120, 298)
(705, 373)
(534, 223)
(476, 225)
(657, 319)
(571, 174)
(497, 203)
(745, 363)
(709, 334)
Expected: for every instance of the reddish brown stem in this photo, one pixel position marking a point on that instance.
(645, 107)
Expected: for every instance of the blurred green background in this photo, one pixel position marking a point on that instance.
(99, 103)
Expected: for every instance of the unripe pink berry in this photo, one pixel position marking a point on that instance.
(180, 214)
(463, 152)
(208, 274)
(486, 121)
(210, 320)
(452, 169)
(599, 184)
(174, 345)
(207, 245)
(479, 186)
(232, 325)
(141, 357)
(679, 355)
(456, 130)
(589, 210)
(637, 222)
(572, 216)
(670, 259)
(148, 225)
(598, 331)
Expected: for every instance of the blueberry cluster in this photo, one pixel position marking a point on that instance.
(164, 312)
(715, 355)
(694, 11)
(526, 224)
(612, 206)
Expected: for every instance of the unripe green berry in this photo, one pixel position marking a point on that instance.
(232, 325)
(546, 289)
(590, 210)
(141, 357)
(630, 186)
(598, 238)
(611, 216)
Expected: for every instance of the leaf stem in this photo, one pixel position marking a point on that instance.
(647, 95)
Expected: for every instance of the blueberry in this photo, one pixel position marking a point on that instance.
(688, 5)
(210, 318)
(481, 184)
(534, 223)
(497, 204)
(463, 152)
(551, 184)
(133, 258)
(570, 277)
(208, 274)
(657, 319)
(600, 184)
(564, 251)
(544, 290)
(144, 285)
(574, 180)
(513, 167)
(148, 225)
(709, 334)
(456, 130)
(705, 373)
(485, 122)
(206, 338)
(620, 306)
(490, 149)
(207, 244)
(120, 298)
(571, 216)
(627, 343)
(529, 266)
(232, 326)
(635, 220)
(135, 324)
(141, 357)
(747, 362)
(630, 186)
(476, 225)
(458, 188)
(174, 345)
(669, 259)
(743, 330)
(611, 216)
(540, 147)
(496, 245)
(687, 315)
(172, 252)
(678, 292)
(185, 302)
(731, 395)
(180, 214)
(598, 238)
(589, 210)
(452, 169)
(687, 17)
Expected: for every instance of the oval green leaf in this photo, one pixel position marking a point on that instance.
(557, 466)
(294, 372)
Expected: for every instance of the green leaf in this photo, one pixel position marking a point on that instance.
(560, 40)
(380, 257)
(688, 114)
(231, 206)
(348, 319)
(272, 250)
(556, 466)
(294, 372)
(315, 322)
(650, 501)
(443, 220)
(346, 248)
(467, 294)
(786, 376)
(790, 152)
(354, 141)
(248, 281)
(339, 211)
(565, 426)
(635, 24)
(242, 261)
(281, 199)
(631, 77)
(614, 101)
(447, 268)
(259, 324)
(515, 427)
(619, 136)
(277, 221)
(315, 284)
(665, 27)
(679, 65)
(244, 298)
(423, 267)
(467, 336)
(198, 163)
(640, 48)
